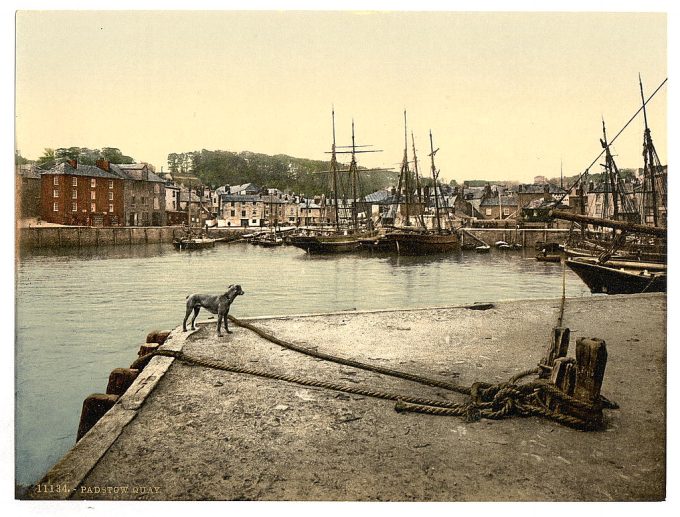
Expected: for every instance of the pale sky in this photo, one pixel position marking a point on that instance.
(507, 96)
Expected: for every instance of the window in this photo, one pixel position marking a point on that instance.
(156, 188)
(506, 211)
(110, 183)
(93, 194)
(55, 207)
(74, 181)
(156, 204)
(143, 200)
(110, 196)
(93, 183)
(93, 207)
(74, 207)
(233, 213)
(74, 194)
(243, 213)
(233, 203)
(254, 220)
(134, 199)
(56, 180)
(55, 193)
(487, 211)
(110, 207)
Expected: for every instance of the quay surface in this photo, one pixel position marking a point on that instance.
(184, 432)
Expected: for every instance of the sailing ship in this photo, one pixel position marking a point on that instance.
(416, 239)
(634, 259)
(345, 237)
(272, 237)
(189, 241)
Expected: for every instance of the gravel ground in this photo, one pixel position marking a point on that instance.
(207, 434)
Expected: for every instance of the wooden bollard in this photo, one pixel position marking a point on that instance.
(147, 348)
(120, 380)
(563, 375)
(157, 336)
(558, 347)
(94, 407)
(591, 361)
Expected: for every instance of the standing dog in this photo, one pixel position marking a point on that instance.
(216, 304)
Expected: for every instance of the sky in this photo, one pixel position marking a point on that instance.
(507, 96)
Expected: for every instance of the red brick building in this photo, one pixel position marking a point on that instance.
(81, 195)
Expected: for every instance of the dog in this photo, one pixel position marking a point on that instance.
(216, 304)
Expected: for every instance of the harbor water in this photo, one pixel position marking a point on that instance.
(82, 313)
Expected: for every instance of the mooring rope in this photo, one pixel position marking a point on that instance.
(351, 362)
(564, 292)
(486, 400)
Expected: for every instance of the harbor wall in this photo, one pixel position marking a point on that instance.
(87, 236)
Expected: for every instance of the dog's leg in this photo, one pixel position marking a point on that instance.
(226, 322)
(219, 324)
(186, 317)
(197, 309)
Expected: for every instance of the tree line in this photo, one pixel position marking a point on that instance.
(300, 175)
(82, 155)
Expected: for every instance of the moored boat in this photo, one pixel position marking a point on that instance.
(193, 243)
(619, 277)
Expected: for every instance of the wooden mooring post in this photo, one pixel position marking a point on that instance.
(580, 377)
(96, 405)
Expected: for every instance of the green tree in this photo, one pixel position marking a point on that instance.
(48, 159)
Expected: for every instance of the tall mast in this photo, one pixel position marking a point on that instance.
(421, 204)
(353, 179)
(609, 176)
(406, 173)
(334, 171)
(649, 155)
(435, 174)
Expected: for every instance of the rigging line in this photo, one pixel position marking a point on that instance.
(611, 142)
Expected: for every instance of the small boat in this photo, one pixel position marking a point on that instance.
(483, 248)
(502, 245)
(550, 252)
(193, 243)
(268, 240)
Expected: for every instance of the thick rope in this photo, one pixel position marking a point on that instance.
(210, 363)
(350, 362)
(487, 401)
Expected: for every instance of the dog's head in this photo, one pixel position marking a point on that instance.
(236, 288)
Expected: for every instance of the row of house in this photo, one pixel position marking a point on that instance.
(104, 194)
(108, 194)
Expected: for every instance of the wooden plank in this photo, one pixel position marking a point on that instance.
(558, 347)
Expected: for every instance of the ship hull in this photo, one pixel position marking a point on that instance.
(419, 243)
(325, 244)
(618, 280)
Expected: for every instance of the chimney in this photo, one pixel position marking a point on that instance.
(73, 163)
(104, 165)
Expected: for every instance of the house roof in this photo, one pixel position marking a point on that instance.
(82, 170)
(535, 188)
(120, 169)
(240, 197)
(248, 187)
(506, 201)
(377, 197)
(29, 171)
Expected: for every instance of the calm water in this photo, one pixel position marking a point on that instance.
(80, 314)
